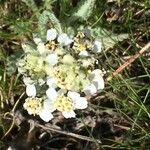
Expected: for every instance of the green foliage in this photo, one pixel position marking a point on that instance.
(48, 17)
(108, 39)
(129, 93)
(83, 10)
(31, 4)
(11, 67)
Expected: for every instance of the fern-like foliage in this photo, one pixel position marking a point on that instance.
(44, 18)
(83, 10)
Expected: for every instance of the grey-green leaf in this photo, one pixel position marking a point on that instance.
(44, 18)
(83, 10)
(108, 38)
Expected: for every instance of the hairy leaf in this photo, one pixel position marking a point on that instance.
(108, 39)
(45, 17)
(83, 10)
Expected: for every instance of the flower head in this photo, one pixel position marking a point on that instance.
(33, 105)
(66, 103)
(36, 106)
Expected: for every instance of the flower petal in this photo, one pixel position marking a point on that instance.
(81, 103)
(51, 83)
(97, 46)
(99, 83)
(52, 59)
(46, 115)
(51, 94)
(63, 39)
(73, 95)
(31, 90)
(83, 54)
(42, 49)
(70, 114)
(90, 90)
(51, 34)
(95, 74)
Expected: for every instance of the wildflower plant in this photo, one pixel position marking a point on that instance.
(57, 71)
(60, 70)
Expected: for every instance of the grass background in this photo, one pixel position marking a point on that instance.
(120, 115)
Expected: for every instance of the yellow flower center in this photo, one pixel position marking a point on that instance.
(81, 43)
(33, 105)
(61, 77)
(52, 45)
(79, 47)
(63, 103)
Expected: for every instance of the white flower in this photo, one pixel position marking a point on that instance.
(36, 106)
(51, 34)
(31, 90)
(97, 46)
(66, 104)
(63, 39)
(52, 59)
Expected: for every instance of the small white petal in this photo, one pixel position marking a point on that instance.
(73, 95)
(52, 59)
(83, 54)
(51, 93)
(97, 46)
(31, 90)
(63, 39)
(81, 103)
(95, 74)
(37, 40)
(46, 115)
(99, 83)
(70, 114)
(90, 90)
(42, 49)
(51, 34)
(51, 83)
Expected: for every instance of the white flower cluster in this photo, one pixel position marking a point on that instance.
(56, 71)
